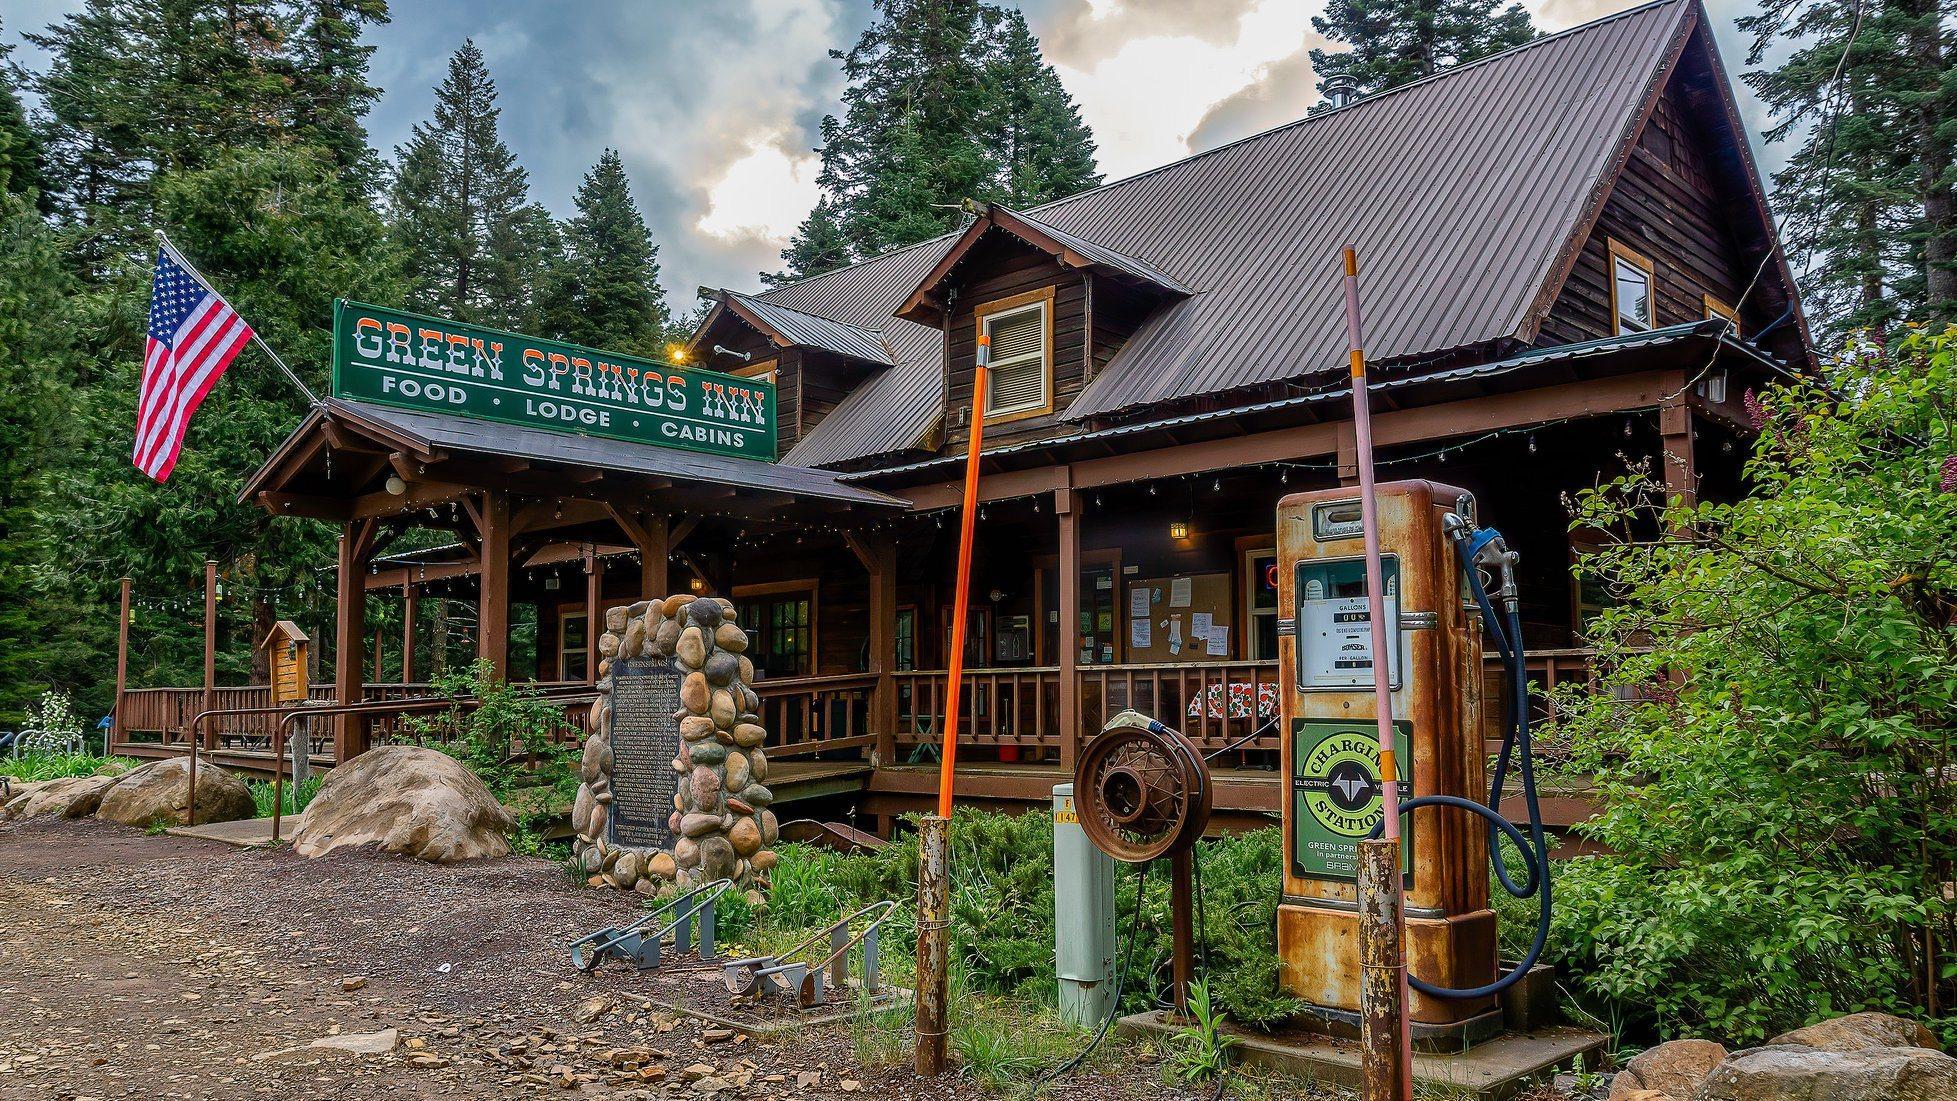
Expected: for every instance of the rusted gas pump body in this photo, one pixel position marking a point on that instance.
(1331, 760)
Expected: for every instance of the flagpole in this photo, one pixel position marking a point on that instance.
(164, 240)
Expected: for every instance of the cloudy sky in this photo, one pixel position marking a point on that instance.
(715, 107)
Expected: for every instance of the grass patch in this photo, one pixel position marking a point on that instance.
(296, 796)
(31, 767)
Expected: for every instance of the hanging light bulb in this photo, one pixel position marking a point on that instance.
(1216, 486)
(1627, 428)
(1532, 443)
(1284, 476)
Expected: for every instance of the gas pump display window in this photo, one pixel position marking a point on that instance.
(1335, 643)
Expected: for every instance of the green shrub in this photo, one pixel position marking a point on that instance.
(296, 796)
(1773, 733)
(31, 767)
(509, 740)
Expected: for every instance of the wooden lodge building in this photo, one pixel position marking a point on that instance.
(1567, 263)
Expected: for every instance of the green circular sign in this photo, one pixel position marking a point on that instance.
(1339, 784)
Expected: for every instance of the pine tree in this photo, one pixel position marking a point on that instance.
(1870, 197)
(20, 147)
(1394, 42)
(947, 100)
(1046, 151)
(476, 247)
(330, 94)
(607, 293)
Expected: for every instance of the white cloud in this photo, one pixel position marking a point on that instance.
(764, 194)
(1145, 98)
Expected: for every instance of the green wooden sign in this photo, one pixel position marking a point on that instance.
(430, 365)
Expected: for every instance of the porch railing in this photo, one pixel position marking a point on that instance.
(816, 714)
(1018, 708)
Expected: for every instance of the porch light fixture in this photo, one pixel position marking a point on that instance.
(697, 585)
(395, 486)
(1178, 529)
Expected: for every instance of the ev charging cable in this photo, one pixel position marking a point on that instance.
(1479, 550)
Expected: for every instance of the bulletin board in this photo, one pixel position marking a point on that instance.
(1210, 596)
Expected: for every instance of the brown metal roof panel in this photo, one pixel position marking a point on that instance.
(812, 331)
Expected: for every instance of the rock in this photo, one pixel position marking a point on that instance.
(730, 637)
(1857, 1031)
(757, 765)
(764, 861)
(593, 1008)
(705, 785)
(597, 759)
(750, 700)
(410, 800)
(695, 1072)
(695, 727)
(716, 1035)
(695, 694)
(1674, 1068)
(697, 825)
(357, 1043)
(582, 807)
(665, 637)
(745, 837)
(1796, 1073)
(691, 648)
(747, 671)
(67, 797)
(159, 792)
(706, 613)
(748, 735)
(716, 857)
(758, 795)
(634, 640)
(629, 869)
(672, 604)
(737, 772)
(352, 983)
(617, 616)
(735, 806)
(769, 829)
(686, 852)
(708, 753)
(608, 644)
(722, 668)
(662, 866)
(722, 706)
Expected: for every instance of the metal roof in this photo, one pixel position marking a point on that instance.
(1710, 332)
(809, 330)
(1459, 191)
(448, 432)
(1104, 256)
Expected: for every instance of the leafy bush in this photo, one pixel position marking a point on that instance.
(296, 796)
(1002, 910)
(1773, 733)
(508, 739)
(54, 766)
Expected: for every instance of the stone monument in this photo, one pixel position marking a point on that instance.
(672, 789)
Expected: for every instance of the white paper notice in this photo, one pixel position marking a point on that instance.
(1199, 624)
(1175, 631)
(1219, 641)
(1138, 602)
(1138, 633)
(1179, 592)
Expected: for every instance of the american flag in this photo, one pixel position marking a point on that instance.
(193, 336)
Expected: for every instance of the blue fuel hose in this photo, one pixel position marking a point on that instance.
(1515, 742)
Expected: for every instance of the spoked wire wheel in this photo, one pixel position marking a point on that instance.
(1141, 794)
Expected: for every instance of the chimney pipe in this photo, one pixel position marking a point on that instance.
(1340, 89)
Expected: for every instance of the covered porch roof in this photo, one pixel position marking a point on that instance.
(342, 459)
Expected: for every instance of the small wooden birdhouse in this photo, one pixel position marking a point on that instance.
(288, 645)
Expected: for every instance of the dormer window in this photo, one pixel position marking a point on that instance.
(1021, 333)
(1631, 282)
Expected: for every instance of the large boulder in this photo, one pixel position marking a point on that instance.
(160, 793)
(1857, 1031)
(68, 797)
(1796, 1073)
(1672, 1069)
(409, 800)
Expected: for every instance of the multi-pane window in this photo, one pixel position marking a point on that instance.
(1021, 380)
(1631, 291)
(781, 632)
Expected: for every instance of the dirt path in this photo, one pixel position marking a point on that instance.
(135, 966)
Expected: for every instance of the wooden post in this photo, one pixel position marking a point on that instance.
(1068, 636)
(122, 671)
(210, 650)
(1382, 972)
(409, 604)
(350, 731)
(380, 670)
(1348, 454)
(879, 557)
(594, 616)
(652, 560)
(493, 605)
(1681, 469)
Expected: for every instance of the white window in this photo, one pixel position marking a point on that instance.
(1631, 291)
(1020, 381)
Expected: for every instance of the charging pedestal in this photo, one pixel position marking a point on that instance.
(1083, 917)
(1331, 762)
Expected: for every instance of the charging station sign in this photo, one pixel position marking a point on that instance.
(1337, 796)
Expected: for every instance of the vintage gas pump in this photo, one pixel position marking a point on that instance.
(1331, 759)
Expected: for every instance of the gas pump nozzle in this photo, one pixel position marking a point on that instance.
(1486, 550)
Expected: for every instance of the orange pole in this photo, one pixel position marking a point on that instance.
(962, 593)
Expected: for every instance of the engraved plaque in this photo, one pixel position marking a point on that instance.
(645, 739)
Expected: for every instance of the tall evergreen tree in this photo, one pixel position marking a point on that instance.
(947, 100)
(606, 293)
(1046, 152)
(477, 248)
(1870, 195)
(1394, 42)
(330, 94)
(20, 147)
